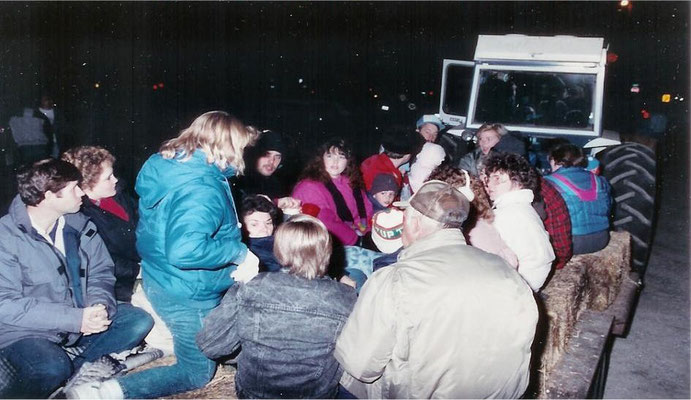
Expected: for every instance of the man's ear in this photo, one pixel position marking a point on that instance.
(49, 195)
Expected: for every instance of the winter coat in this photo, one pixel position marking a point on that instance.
(379, 164)
(471, 161)
(314, 192)
(587, 196)
(485, 237)
(120, 239)
(36, 299)
(522, 230)
(188, 234)
(263, 248)
(287, 326)
(445, 321)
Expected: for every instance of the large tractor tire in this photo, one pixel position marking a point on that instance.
(631, 170)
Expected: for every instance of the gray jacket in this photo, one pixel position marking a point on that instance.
(35, 295)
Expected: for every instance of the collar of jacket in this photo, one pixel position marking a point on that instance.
(441, 238)
(20, 215)
(199, 156)
(514, 197)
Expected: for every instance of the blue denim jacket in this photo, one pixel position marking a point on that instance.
(287, 327)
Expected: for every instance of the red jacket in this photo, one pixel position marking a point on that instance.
(378, 164)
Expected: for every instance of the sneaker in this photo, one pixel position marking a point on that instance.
(97, 371)
(109, 389)
(89, 390)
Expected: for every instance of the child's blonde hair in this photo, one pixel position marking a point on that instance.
(303, 244)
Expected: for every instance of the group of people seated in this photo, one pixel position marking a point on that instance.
(405, 275)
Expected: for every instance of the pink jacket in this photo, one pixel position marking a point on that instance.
(485, 237)
(314, 192)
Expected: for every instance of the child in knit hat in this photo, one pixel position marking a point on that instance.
(384, 191)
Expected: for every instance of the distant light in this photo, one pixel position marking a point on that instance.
(423, 93)
(430, 93)
(376, 95)
(635, 88)
(155, 87)
(612, 58)
(385, 108)
(681, 99)
(645, 114)
(624, 3)
(160, 85)
(97, 85)
(300, 80)
(666, 98)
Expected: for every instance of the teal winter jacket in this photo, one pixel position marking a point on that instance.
(188, 234)
(587, 196)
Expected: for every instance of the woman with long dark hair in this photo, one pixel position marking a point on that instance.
(332, 182)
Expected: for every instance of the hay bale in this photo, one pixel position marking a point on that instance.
(222, 386)
(587, 282)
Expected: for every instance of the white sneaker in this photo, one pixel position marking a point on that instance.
(109, 389)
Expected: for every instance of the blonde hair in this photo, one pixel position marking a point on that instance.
(303, 244)
(90, 161)
(220, 135)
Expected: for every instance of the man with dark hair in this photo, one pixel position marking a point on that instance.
(57, 302)
(447, 320)
(263, 161)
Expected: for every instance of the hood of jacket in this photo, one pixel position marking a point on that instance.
(159, 176)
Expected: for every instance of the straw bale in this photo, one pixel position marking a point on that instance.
(587, 282)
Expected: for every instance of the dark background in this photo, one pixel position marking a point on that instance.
(306, 69)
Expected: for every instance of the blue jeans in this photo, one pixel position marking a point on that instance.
(192, 371)
(36, 367)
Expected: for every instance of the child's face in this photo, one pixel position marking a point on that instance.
(258, 224)
(386, 197)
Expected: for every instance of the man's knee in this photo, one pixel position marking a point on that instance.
(136, 320)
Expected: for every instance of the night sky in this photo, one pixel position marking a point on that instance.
(303, 68)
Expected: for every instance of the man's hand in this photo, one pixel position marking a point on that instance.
(285, 203)
(94, 319)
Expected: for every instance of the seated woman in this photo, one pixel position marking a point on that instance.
(479, 228)
(112, 210)
(285, 322)
(259, 217)
(488, 136)
(587, 196)
(332, 182)
(509, 178)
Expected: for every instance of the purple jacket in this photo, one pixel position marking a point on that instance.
(314, 192)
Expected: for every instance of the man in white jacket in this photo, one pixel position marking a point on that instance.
(445, 321)
(510, 178)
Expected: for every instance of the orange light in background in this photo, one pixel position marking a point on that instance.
(666, 98)
(624, 3)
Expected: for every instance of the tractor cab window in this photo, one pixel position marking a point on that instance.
(536, 99)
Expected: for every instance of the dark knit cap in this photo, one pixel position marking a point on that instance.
(270, 140)
(384, 182)
(399, 140)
